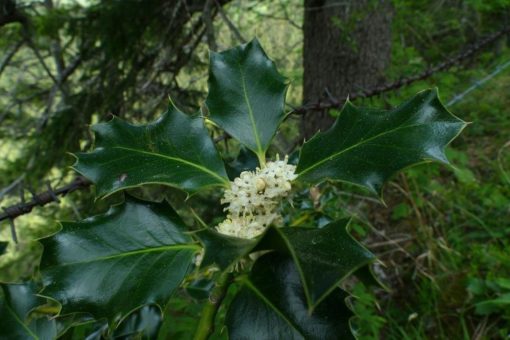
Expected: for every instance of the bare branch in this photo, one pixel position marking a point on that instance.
(229, 23)
(332, 102)
(9, 56)
(43, 198)
(12, 186)
(41, 60)
(207, 17)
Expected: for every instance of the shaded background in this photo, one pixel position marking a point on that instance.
(443, 236)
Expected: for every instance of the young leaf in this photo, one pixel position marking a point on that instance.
(366, 147)
(272, 305)
(246, 95)
(174, 150)
(324, 257)
(109, 265)
(223, 250)
(16, 302)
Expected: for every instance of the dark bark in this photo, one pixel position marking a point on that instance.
(347, 47)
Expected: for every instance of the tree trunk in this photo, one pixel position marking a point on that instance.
(347, 47)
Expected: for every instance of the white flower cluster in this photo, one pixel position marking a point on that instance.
(253, 198)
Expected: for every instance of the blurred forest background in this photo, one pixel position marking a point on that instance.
(443, 238)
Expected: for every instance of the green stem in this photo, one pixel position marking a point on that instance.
(206, 324)
(262, 159)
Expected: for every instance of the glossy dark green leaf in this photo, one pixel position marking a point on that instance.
(16, 302)
(174, 150)
(90, 331)
(109, 265)
(223, 250)
(324, 257)
(272, 305)
(366, 147)
(200, 289)
(74, 325)
(246, 95)
(3, 247)
(245, 161)
(143, 323)
(367, 276)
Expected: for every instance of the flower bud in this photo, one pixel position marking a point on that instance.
(260, 184)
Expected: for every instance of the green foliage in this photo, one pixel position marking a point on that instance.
(246, 95)
(175, 150)
(16, 303)
(145, 260)
(323, 256)
(367, 147)
(368, 323)
(140, 248)
(498, 287)
(223, 250)
(129, 66)
(272, 305)
(139, 252)
(462, 236)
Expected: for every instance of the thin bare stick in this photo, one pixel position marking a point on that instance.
(43, 198)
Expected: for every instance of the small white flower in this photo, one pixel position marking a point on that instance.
(253, 198)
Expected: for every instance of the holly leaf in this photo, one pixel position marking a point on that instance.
(108, 265)
(144, 323)
(175, 150)
(16, 303)
(246, 95)
(272, 305)
(323, 256)
(366, 275)
(245, 161)
(200, 289)
(366, 147)
(223, 250)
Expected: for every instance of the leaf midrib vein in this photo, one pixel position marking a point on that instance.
(135, 252)
(181, 160)
(335, 155)
(257, 292)
(250, 110)
(15, 316)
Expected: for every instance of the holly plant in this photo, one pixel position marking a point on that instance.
(118, 271)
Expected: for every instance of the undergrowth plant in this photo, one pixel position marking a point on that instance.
(118, 270)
